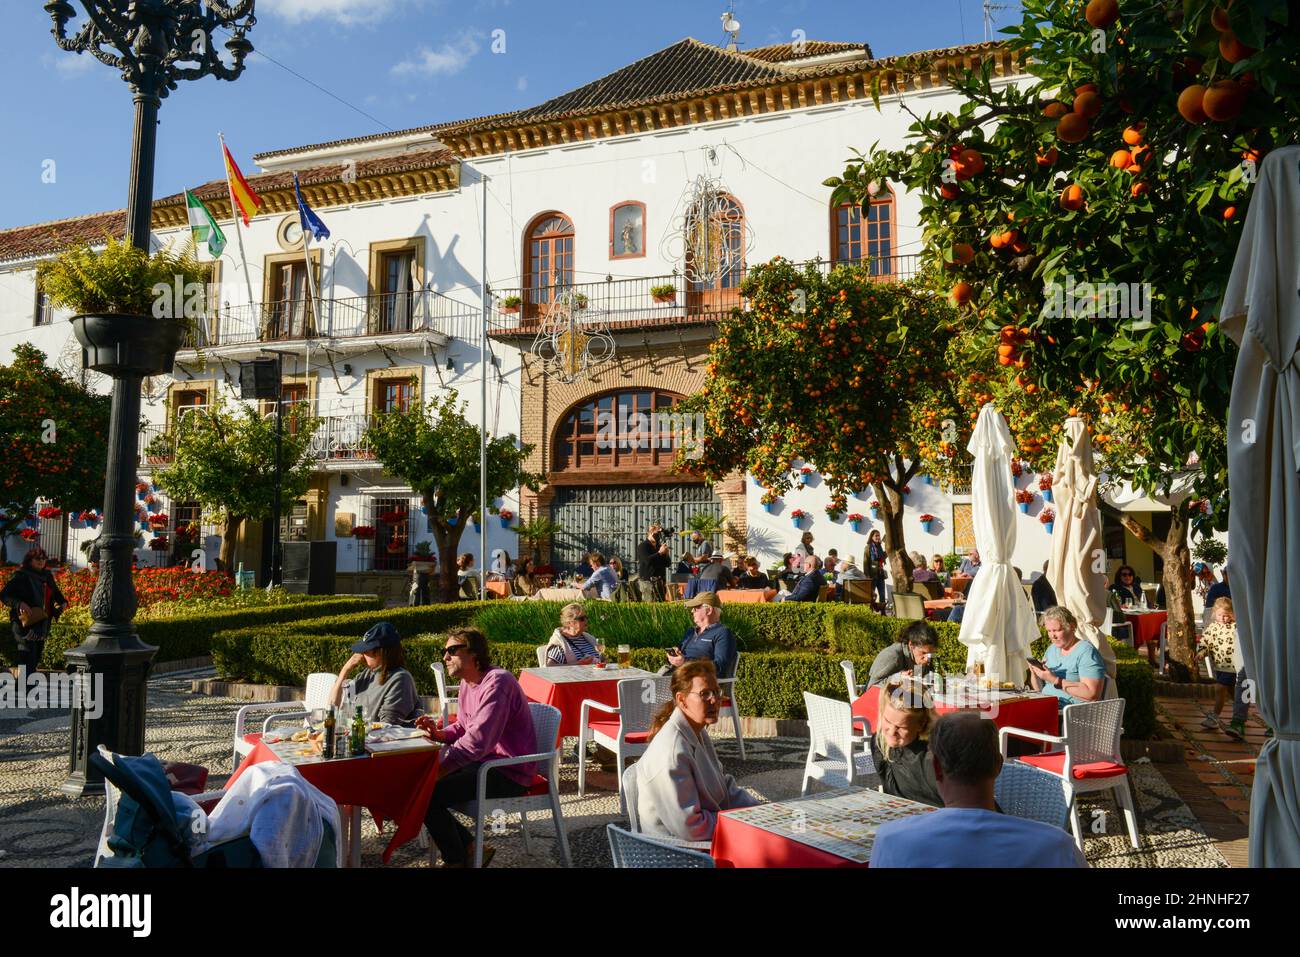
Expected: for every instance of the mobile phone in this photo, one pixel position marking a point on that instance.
(1035, 662)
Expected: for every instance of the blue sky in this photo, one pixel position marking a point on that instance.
(386, 64)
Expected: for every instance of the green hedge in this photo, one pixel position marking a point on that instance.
(190, 636)
(787, 649)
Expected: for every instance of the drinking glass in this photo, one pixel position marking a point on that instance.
(624, 656)
(600, 647)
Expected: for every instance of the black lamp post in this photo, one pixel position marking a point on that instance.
(154, 43)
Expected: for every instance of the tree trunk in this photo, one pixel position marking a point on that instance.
(890, 496)
(1181, 629)
(229, 532)
(448, 539)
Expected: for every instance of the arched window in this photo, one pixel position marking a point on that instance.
(716, 253)
(627, 230)
(620, 430)
(856, 237)
(548, 260)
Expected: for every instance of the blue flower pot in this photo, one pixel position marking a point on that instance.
(451, 520)
(424, 510)
(795, 522)
(768, 506)
(477, 528)
(875, 514)
(806, 477)
(927, 480)
(1024, 507)
(926, 527)
(1049, 527)
(505, 522)
(855, 524)
(1047, 494)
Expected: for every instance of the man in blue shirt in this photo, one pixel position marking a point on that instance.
(969, 831)
(708, 639)
(808, 587)
(603, 578)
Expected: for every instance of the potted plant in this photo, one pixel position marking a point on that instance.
(580, 300)
(478, 526)
(664, 292)
(506, 517)
(797, 516)
(806, 474)
(927, 479)
(927, 522)
(29, 534)
(907, 490)
(90, 518)
(874, 505)
(1048, 517)
(127, 317)
(141, 490)
(1024, 498)
(50, 512)
(769, 501)
(422, 558)
(158, 543)
(395, 517)
(1017, 468)
(363, 532)
(836, 507)
(511, 304)
(1045, 485)
(536, 533)
(855, 521)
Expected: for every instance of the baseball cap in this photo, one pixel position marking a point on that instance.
(382, 635)
(704, 598)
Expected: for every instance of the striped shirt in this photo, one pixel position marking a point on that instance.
(581, 645)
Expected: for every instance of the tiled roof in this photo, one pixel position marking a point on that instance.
(786, 52)
(44, 238)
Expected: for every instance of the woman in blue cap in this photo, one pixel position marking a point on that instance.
(384, 690)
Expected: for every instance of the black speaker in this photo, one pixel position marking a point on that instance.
(309, 567)
(259, 379)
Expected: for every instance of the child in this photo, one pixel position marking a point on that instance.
(1220, 643)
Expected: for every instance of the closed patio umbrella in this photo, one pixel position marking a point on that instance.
(1077, 569)
(998, 625)
(1261, 312)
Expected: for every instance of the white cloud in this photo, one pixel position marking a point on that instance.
(71, 64)
(345, 12)
(521, 84)
(447, 60)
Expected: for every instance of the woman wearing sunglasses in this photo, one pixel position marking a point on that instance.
(571, 644)
(681, 786)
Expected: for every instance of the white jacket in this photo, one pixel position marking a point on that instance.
(282, 814)
(681, 786)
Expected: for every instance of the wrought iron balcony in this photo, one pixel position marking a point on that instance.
(628, 303)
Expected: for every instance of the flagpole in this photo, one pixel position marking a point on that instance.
(311, 287)
(483, 437)
(235, 216)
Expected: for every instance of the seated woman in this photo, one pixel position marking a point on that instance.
(752, 576)
(616, 566)
(900, 747)
(502, 568)
(525, 580)
(681, 786)
(570, 644)
(385, 690)
(1075, 671)
(1126, 587)
(912, 654)
(468, 576)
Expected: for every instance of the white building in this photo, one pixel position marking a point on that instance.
(585, 197)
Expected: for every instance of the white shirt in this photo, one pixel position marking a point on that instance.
(972, 837)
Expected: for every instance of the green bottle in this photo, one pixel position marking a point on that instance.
(358, 742)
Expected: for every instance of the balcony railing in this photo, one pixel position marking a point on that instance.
(630, 301)
(338, 438)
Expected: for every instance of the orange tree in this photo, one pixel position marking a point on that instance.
(834, 369)
(1097, 208)
(53, 440)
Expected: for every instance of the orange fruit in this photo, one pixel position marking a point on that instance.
(1055, 110)
(972, 161)
(1031, 389)
(949, 191)
(1138, 189)
(1138, 152)
(1120, 159)
(1086, 88)
(1232, 49)
(1133, 169)
(1087, 104)
(1190, 103)
(1220, 19)
(1230, 212)
(1223, 100)
(1134, 135)
(1020, 247)
(1006, 349)
(1072, 197)
(1072, 128)
(963, 253)
(961, 293)
(1004, 360)
(1102, 14)
(1048, 158)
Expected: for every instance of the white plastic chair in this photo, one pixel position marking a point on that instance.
(625, 730)
(316, 695)
(1090, 760)
(855, 691)
(729, 707)
(628, 796)
(542, 796)
(448, 694)
(1110, 626)
(635, 850)
(832, 759)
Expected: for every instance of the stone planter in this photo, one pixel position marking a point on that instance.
(122, 346)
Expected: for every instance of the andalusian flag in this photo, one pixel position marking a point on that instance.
(204, 227)
(246, 201)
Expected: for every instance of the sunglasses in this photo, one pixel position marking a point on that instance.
(579, 617)
(451, 650)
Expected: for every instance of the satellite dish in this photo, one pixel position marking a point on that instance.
(731, 25)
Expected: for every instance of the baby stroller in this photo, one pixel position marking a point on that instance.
(146, 824)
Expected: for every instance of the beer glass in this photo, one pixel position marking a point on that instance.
(624, 656)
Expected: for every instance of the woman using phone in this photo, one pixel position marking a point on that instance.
(1071, 669)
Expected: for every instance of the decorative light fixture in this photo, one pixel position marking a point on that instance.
(571, 340)
(708, 231)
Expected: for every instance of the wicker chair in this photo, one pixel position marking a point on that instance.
(1025, 791)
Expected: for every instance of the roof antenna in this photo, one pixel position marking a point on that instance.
(732, 27)
(988, 17)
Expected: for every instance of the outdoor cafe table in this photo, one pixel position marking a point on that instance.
(830, 829)
(743, 595)
(1028, 710)
(960, 583)
(393, 787)
(1146, 625)
(567, 686)
(939, 607)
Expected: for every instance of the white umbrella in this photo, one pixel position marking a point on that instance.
(1261, 312)
(1077, 569)
(998, 625)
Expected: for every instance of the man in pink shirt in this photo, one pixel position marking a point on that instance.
(492, 721)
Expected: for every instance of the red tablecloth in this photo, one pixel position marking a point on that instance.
(743, 595)
(1032, 714)
(736, 844)
(568, 696)
(392, 787)
(1146, 626)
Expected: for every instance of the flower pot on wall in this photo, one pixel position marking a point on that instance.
(1047, 494)
(128, 345)
(875, 514)
(855, 524)
(1024, 507)
(767, 507)
(1048, 526)
(806, 477)
(927, 527)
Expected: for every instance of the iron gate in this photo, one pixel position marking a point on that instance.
(613, 519)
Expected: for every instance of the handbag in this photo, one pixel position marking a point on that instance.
(31, 616)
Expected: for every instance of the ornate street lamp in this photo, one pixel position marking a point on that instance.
(155, 43)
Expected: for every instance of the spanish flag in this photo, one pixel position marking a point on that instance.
(245, 200)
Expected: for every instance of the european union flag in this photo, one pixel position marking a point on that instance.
(311, 223)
